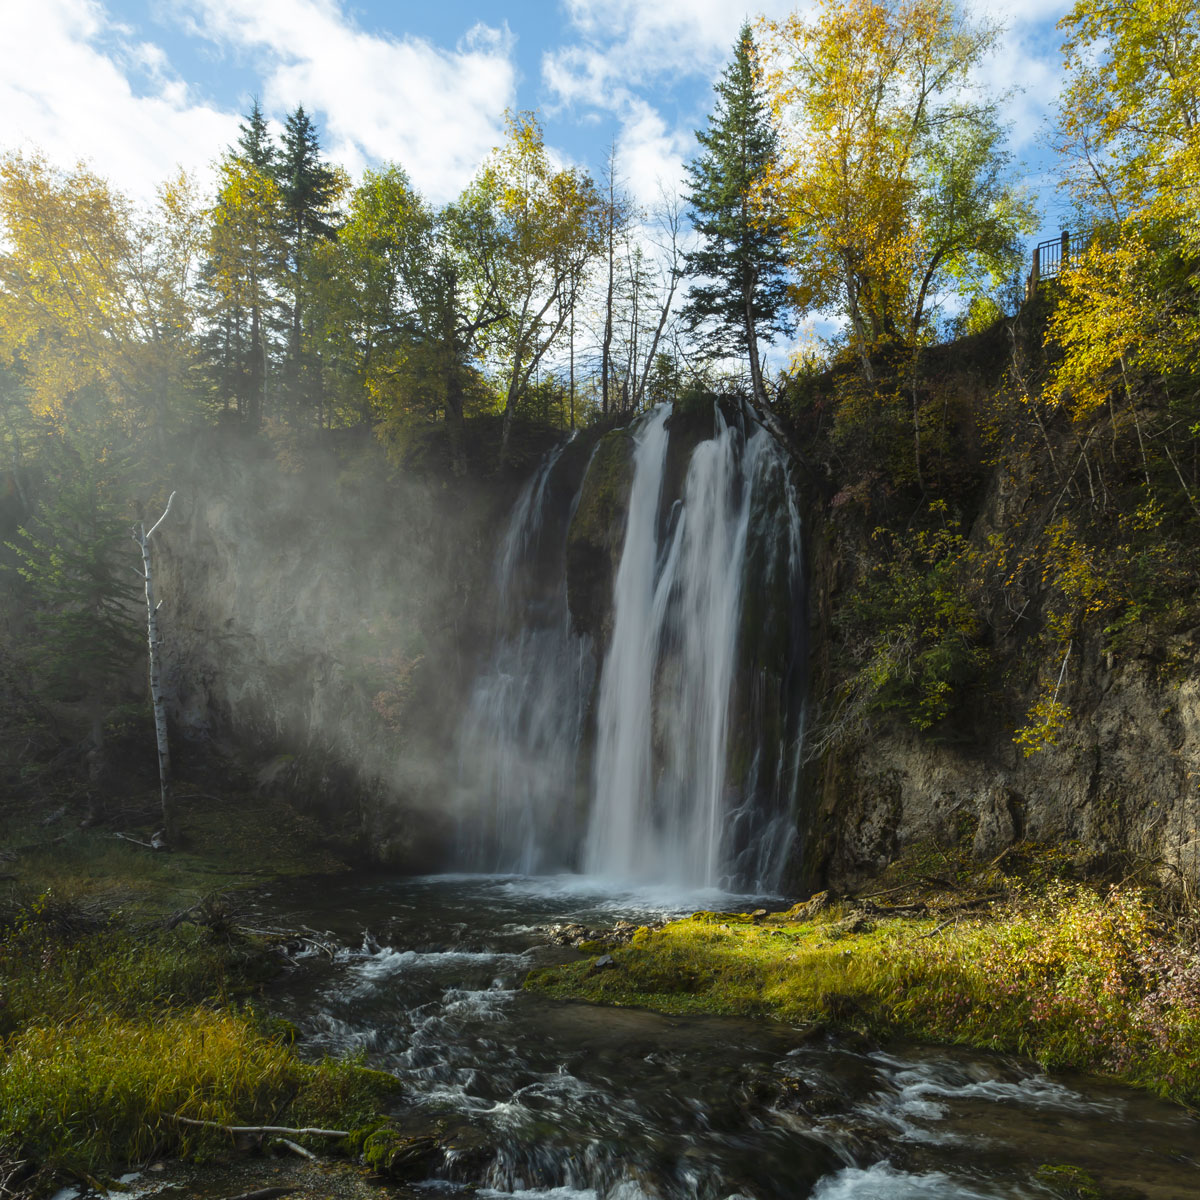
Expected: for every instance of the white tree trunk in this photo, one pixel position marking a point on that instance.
(156, 698)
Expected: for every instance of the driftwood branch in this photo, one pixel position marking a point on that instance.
(137, 841)
(308, 936)
(886, 892)
(943, 926)
(295, 1148)
(281, 1130)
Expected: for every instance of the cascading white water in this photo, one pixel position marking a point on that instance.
(702, 631)
(695, 761)
(666, 689)
(519, 741)
(622, 777)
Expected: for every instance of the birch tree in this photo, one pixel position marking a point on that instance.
(143, 537)
(889, 162)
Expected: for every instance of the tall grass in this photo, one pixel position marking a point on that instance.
(112, 1032)
(103, 1089)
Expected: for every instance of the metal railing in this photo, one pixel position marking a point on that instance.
(1049, 259)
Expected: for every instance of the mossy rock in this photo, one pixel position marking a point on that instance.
(390, 1153)
(1071, 1183)
(597, 534)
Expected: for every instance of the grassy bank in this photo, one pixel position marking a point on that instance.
(127, 1001)
(1091, 977)
(118, 1032)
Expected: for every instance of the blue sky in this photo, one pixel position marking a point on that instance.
(138, 87)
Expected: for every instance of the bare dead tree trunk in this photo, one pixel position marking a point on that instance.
(142, 537)
(670, 219)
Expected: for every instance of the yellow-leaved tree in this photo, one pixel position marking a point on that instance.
(1124, 338)
(549, 225)
(97, 303)
(891, 170)
(1128, 320)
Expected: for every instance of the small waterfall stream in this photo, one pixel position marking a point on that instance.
(680, 764)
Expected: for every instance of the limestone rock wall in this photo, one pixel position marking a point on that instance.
(1123, 780)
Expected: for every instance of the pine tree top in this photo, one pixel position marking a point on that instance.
(307, 184)
(254, 145)
(740, 260)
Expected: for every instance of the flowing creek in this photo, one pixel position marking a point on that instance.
(536, 1097)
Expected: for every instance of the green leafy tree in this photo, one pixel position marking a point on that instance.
(365, 285)
(739, 296)
(402, 297)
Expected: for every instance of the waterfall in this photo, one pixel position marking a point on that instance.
(519, 740)
(623, 764)
(693, 731)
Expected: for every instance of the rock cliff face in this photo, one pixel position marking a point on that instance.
(597, 534)
(1122, 782)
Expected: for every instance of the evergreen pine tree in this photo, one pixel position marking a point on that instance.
(73, 555)
(741, 262)
(254, 146)
(241, 273)
(309, 189)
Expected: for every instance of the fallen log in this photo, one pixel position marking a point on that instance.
(295, 1148)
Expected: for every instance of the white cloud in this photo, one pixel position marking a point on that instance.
(76, 86)
(630, 42)
(625, 48)
(650, 155)
(437, 112)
